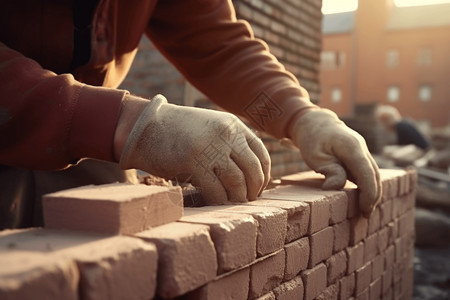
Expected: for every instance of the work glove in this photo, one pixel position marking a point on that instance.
(331, 148)
(225, 159)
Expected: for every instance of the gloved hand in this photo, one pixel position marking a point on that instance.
(224, 157)
(329, 147)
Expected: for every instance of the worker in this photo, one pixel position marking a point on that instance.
(406, 132)
(61, 64)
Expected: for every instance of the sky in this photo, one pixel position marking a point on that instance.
(336, 6)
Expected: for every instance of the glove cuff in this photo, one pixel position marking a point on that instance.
(131, 154)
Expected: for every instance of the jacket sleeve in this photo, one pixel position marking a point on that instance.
(48, 121)
(220, 56)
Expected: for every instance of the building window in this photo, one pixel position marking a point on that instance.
(392, 58)
(393, 93)
(332, 59)
(424, 57)
(336, 95)
(425, 92)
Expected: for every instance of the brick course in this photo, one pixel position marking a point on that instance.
(212, 252)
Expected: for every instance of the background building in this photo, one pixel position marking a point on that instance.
(382, 53)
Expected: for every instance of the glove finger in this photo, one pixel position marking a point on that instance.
(250, 165)
(213, 192)
(258, 148)
(335, 176)
(368, 199)
(365, 172)
(233, 181)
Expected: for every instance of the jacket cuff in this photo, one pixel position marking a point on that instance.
(94, 123)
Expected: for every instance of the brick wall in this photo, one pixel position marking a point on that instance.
(152, 74)
(294, 242)
(292, 29)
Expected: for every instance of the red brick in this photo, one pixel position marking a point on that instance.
(187, 257)
(292, 289)
(399, 249)
(321, 244)
(266, 274)
(125, 208)
(406, 223)
(385, 212)
(370, 247)
(408, 283)
(400, 268)
(393, 232)
(336, 266)
(297, 257)
(315, 281)
(390, 182)
(353, 199)
(355, 256)
(330, 293)
(230, 286)
(364, 295)
(375, 289)
(403, 184)
(28, 275)
(341, 235)
(271, 222)
(338, 207)
(397, 290)
(413, 178)
(389, 257)
(363, 278)
(383, 237)
(377, 266)
(347, 286)
(358, 230)
(116, 265)
(338, 200)
(268, 296)
(319, 207)
(297, 216)
(388, 295)
(386, 279)
(234, 236)
(374, 221)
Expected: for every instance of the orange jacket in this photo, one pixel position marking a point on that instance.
(53, 112)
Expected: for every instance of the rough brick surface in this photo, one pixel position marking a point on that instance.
(266, 274)
(355, 257)
(297, 257)
(292, 289)
(363, 278)
(321, 244)
(315, 281)
(125, 208)
(336, 266)
(230, 286)
(319, 207)
(28, 275)
(271, 225)
(370, 247)
(358, 229)
(347, 286)
(341, 235)
(116, 265)
(187, 257)
(234, 236)
(330, 293)
(297, 216)
(308, 246)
